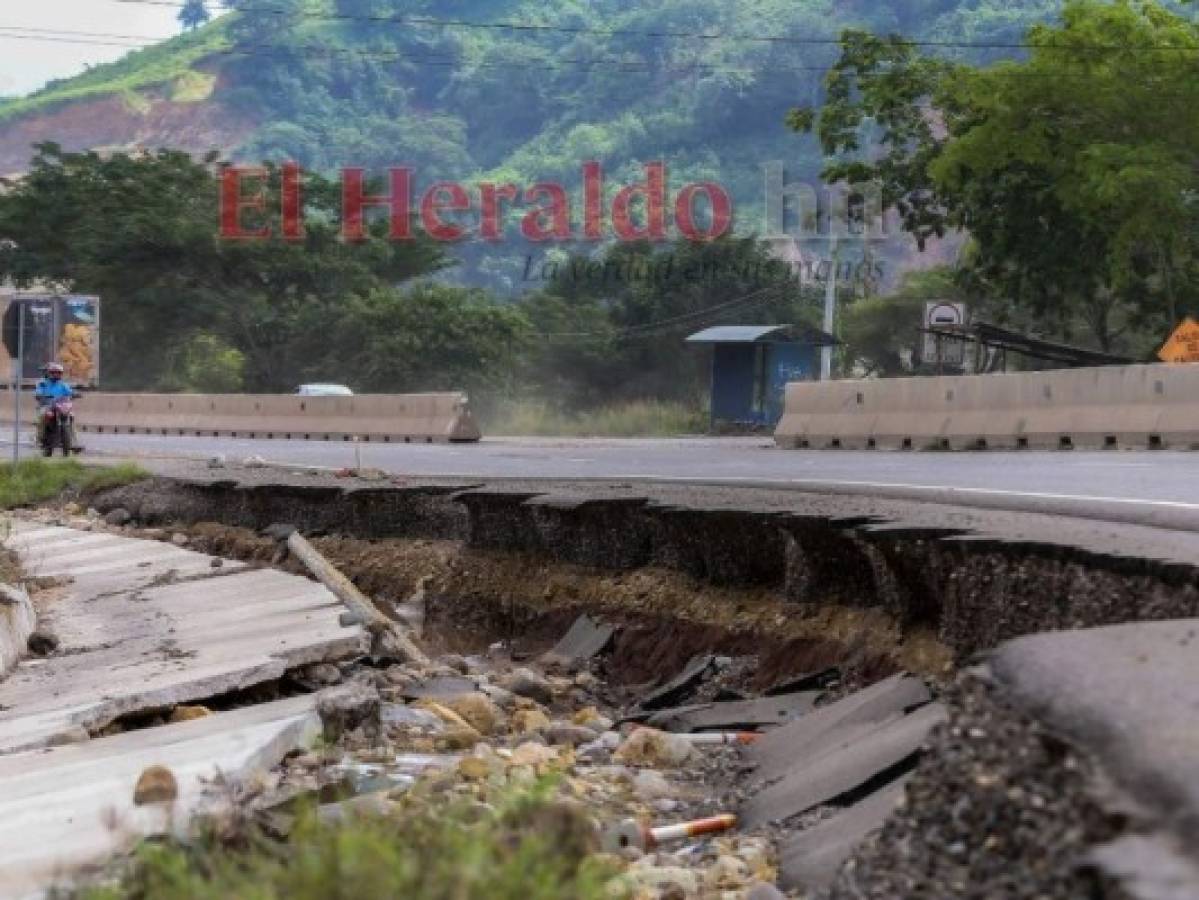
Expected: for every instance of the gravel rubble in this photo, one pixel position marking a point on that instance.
(997, 807)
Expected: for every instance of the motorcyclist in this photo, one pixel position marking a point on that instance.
(48, 390)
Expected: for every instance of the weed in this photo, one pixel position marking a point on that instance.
(638, 418)
(512, 850)
(36, 480)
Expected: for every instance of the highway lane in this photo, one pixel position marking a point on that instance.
(1164, 480)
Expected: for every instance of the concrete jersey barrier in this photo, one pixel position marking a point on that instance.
(1141, 406)
(371, 417)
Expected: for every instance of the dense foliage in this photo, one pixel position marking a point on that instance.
(700, 84)
(186, 310)
(614, 328)
(619, 84)
(1062, 155)
(140, 231)
(1075, 171)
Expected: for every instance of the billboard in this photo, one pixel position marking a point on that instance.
(63, 327)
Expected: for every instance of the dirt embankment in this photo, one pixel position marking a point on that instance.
(915, 593)
(999, 804)
(668, 616)
(113, 121)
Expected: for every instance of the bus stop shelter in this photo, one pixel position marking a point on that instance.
(751, 365)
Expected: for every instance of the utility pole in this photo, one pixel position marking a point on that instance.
(830, 308)
(18, 374)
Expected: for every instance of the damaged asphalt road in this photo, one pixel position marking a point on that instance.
(661, 682)
(477, 720)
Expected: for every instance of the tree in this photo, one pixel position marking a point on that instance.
(141, 231)
(613, 328)
(260, 26)
(1074, 171)
(207, 365)
(430, 337)
(880, 334)
(193, 14)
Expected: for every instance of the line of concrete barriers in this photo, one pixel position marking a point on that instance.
(1141, 406)
(424, 418)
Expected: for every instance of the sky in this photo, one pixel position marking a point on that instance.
(26, 65)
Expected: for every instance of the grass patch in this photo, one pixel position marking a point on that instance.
(193, 87)
(515, 850)
(36, 480)
(640, 418)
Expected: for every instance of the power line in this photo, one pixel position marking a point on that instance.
(442, 61)
(118, 40)
(136, 42)
(535, 27)
(691, 319)
(59, 39)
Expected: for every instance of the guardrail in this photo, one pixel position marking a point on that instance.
(425, 418)
(1142, 406)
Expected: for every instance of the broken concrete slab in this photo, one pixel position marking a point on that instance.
(68, 807)
(132, 641)
(809, 681)
(17, 622)
(585, 640)
(1129, 696)
(843, 768)
(440, 687)
(681, 686)
(809, 736)
(810, 860)
(736, 715)
(99, 563)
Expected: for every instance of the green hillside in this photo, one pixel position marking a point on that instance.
(155, 68)
(335, 83)
(1083, 233)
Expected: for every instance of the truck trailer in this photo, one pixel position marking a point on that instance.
(62, 327)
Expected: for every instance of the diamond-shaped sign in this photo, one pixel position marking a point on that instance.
(1183, 344)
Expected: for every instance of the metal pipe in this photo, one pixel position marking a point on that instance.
(389, 639)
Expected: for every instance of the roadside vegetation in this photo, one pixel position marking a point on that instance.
(1070, 170)
(37, 480)
(517, 849)
(1048, 167)
(190, 312)
(642, 418)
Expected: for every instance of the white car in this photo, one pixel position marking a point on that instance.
(324, 390)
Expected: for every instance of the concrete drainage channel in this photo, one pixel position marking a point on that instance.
(824, 668)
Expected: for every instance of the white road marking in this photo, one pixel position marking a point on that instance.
(829, 483)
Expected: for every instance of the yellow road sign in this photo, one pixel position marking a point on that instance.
(1183, 344)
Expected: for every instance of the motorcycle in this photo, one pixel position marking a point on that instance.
(58, 426)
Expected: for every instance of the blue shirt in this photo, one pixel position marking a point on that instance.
(48, 391)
